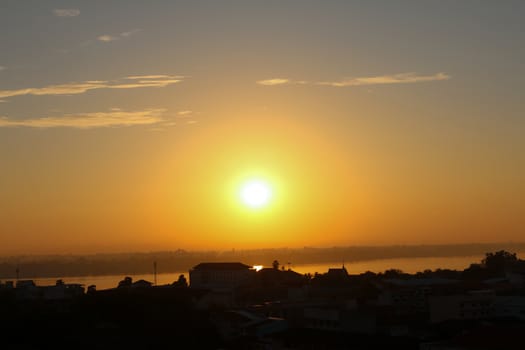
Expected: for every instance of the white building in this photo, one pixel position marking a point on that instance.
(475, 305)
(220, 276)
(510, 307)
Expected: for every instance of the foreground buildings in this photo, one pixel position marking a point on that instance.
(230, 305)
(220, 276)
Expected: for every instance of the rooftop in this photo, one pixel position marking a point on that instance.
(221, 266)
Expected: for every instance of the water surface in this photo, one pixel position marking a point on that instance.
(409, 265)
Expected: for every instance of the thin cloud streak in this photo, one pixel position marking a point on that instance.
(82, 87)
(275, 81)
(66, 12)
(186, 113)
(153, 76)
(108, 37)
(401, 78)
(129, 33)
(115, 117)
(2, 68)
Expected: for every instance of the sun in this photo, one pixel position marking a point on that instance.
(255, 193)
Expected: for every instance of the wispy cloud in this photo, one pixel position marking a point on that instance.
(66, 12)
(400, 78)
(114, 117)
(129, 33)
(112, 37)
(274, 81)
(152, 76)
(2, 68)
(75, 88)
(185, 114)
(107, 38)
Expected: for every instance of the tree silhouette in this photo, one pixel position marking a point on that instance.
(126, 282)
(275, 265)
(181, 281)
(393, 273)
(499, 261)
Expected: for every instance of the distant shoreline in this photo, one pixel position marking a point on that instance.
(48, 266)
(467, 246)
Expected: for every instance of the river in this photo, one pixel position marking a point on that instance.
(409, 265)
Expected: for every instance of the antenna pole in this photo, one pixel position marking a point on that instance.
(155, 272)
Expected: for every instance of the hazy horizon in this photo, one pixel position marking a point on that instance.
(441, 250)
(372, 258)
(148, 126)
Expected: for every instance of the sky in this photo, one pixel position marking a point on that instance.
(134, 125)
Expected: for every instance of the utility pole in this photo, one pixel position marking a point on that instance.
(155, 272)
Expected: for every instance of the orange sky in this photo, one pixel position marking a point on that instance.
(134, 130)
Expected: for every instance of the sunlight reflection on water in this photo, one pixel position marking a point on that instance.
(409, 265)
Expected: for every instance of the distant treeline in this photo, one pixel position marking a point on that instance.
(181, 260)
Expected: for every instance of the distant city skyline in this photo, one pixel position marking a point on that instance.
(134, 126)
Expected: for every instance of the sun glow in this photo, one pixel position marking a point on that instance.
(255, 194)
